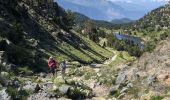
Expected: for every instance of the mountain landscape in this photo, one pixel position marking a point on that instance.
(118, 60)
(113, 9)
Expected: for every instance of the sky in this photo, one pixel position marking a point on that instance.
(112, 9)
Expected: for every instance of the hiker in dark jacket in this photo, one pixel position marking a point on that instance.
(63, 66)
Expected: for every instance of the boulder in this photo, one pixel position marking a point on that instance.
(55, 88)
(130, 85)
(4, 95)
(28, 85)
(121, 78)
(43, 75)
(43, 96)
(4, 74)
(151, 80)
(64, 89)
(47, 86)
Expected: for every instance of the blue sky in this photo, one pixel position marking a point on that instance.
(112, 9)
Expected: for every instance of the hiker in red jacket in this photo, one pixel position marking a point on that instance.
(52, 64)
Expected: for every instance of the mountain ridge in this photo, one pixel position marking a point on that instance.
(122, 21)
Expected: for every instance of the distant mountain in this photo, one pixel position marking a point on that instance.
(122, 21)
(108, 10)
(80, 19)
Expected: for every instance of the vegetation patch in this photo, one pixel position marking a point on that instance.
(157, 97)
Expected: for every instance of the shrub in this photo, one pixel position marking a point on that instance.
(17, 95)
(150, 46)
(157, 97)
(164, 36)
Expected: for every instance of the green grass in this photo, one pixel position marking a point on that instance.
(96, 53)
(157, 97)
(122, 57)
(69, 52)
(24, 69)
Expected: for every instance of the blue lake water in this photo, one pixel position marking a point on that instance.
(132, 39)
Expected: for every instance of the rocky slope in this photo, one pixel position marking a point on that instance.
(145, 79)
(149, 74)
(29, 35)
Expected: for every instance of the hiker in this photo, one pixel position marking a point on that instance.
(63, 66)
(52, 64)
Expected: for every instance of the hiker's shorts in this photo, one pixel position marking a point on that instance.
(52, 70)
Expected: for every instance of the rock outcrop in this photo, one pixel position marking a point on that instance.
(150, 71)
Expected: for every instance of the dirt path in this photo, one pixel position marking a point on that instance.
(107, 62)
(100, 90)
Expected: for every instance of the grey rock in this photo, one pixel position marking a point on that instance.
(151, 80)
(4, 74)
(43, 96)
(47, 86)
(50, 95)
(28, 85)
(43, 75)
(64, 89)
(129, 85)
(121, 78)
(4, 95)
